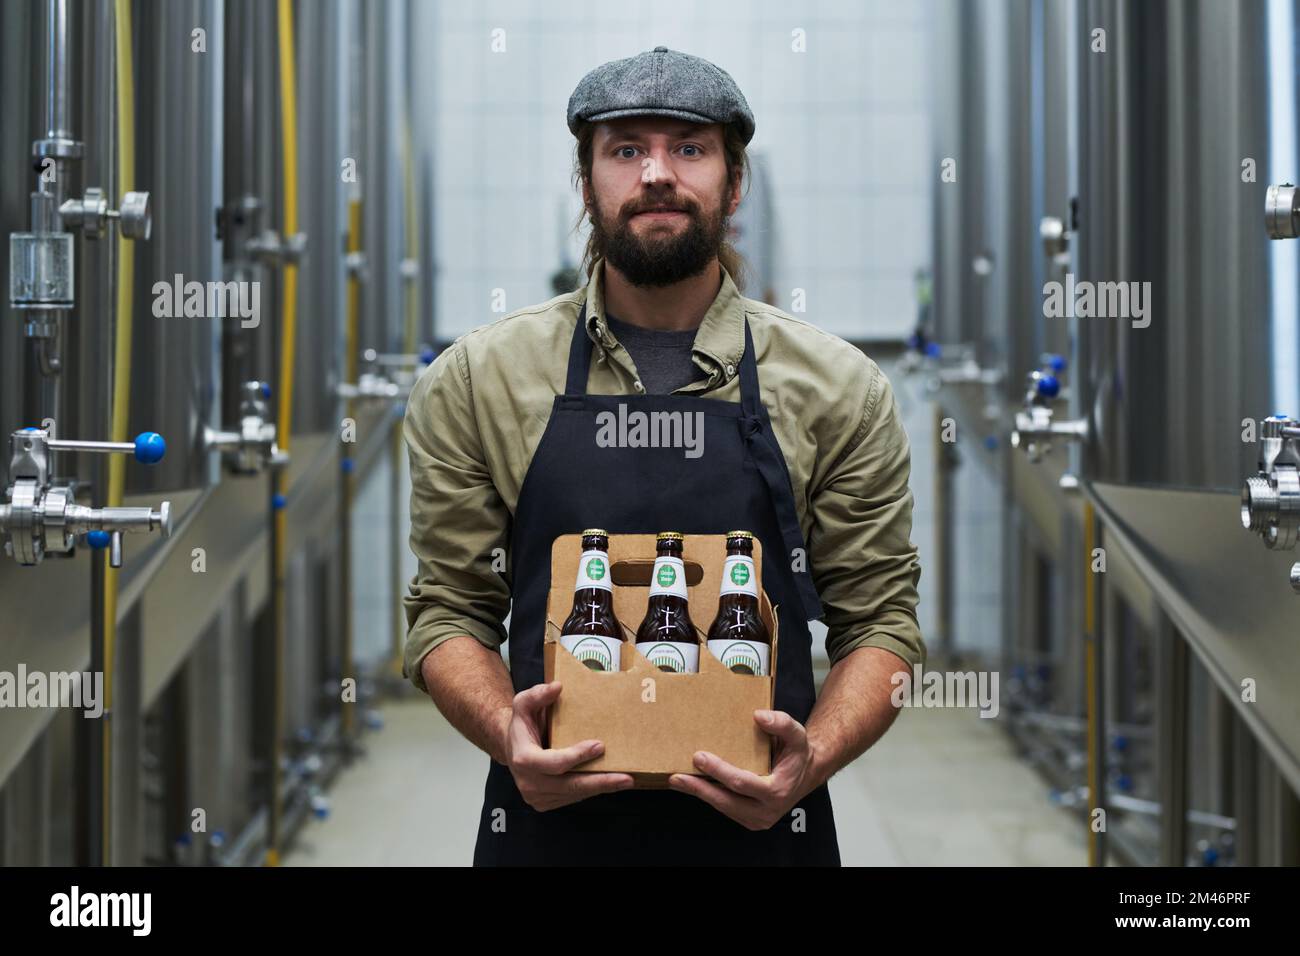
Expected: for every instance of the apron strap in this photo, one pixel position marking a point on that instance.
(766, 454)
(579, 356)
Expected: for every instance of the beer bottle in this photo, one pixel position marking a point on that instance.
(592, 633)
(666, 636)
(738, 637)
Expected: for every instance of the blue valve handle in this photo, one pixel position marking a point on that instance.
(1056, 363)
(149, 448)
(1049, 386)
(98, 539)
(427, 356)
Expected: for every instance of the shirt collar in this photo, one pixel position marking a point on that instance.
(720, 337)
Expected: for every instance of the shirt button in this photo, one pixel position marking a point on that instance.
(638, 386)
(731, 370)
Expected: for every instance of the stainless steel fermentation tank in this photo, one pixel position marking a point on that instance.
(209, 145)
(1185, 119)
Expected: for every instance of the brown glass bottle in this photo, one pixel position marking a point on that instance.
(592, 633)
(738, 637)
(666, 637)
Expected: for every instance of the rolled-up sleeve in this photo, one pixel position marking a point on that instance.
(459, 524)
(864, 563)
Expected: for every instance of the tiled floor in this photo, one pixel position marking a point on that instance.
(941, 788)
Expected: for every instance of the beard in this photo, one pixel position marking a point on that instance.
(660, 257)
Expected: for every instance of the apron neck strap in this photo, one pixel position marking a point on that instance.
(579, 356)
(580, 366)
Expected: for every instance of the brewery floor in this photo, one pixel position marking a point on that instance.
(943, 787)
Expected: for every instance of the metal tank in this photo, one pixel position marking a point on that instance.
(175, 360)
(249, 221)
(383, 176)
(324, 91)
(955, 105)
(1183, 124)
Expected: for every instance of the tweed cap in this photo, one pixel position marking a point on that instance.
(660, 82)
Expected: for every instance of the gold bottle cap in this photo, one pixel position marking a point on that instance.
(600, 531)
(740, 534)
(669, 536)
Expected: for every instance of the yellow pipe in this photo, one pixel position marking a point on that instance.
(121, 385)
(280, 527)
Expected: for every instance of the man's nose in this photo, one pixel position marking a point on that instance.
(657, 168)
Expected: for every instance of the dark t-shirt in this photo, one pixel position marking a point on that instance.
(662, 359)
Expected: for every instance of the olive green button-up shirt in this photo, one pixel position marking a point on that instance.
(476, 415)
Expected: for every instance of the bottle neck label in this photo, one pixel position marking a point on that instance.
(669, 577)
(738, 576)
(593, 571)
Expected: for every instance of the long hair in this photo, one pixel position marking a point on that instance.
(737, 160)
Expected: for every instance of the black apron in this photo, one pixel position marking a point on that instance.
(740, 481)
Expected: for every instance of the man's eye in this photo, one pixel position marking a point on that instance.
(626, 152)
(694, 148)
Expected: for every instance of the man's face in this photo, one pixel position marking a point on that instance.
(659, 197)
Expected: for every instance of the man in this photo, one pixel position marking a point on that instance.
(802, 445)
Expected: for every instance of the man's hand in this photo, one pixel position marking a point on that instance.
(755, 802)
(543, 775)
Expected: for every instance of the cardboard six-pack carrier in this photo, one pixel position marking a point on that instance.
(653, 722)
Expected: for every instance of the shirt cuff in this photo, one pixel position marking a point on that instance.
(429, 632)
(903, 640)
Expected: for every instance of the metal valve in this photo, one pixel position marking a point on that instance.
(43, 517)
(91, 214)
(399, 371)
(1056, 237)
(271, 248)
(252, 448)
(1270, 499)
(1036, 426)
(369, 385)
(1282, 212)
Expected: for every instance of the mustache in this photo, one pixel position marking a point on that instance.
(685, 207)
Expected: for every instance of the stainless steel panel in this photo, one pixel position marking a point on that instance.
(174, 364)
(323, 94)
(1205, 573)
(1169, 112)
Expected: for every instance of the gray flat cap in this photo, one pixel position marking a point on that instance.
(661, 82)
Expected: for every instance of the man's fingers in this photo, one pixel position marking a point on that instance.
(536, 698)
(782, 726)
(554, 762)
(741, 809)
(732, 777)
(580, 786)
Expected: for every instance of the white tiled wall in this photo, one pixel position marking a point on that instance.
(842, 126)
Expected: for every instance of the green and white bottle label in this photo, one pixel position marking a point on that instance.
(595, 651)
(738, 576)
(593, 571)
(669, 577)
(676, 656)
(743, 657)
